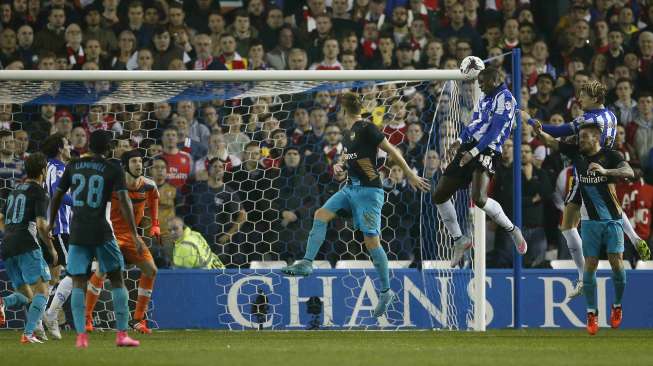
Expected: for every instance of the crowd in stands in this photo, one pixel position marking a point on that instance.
(246, 175)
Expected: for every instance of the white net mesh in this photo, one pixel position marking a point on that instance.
(259, 217)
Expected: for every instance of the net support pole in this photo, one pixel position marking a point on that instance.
(479, 269)
(517, 191)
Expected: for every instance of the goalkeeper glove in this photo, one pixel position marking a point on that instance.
(155, 230)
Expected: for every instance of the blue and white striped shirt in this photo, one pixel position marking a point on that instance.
(492, 121)
(602, 117)
(54, 172)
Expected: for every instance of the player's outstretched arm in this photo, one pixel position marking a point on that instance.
(415, 181)
(563, 130)
(128, 214)
(547, 139)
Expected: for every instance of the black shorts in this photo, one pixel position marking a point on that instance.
(486, 160)
(573, 196)
(60, 243)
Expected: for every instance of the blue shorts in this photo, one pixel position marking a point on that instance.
(596, 233)
(27, 268)
(108, 256)
(364, 203)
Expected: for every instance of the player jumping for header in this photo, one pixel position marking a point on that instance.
(597, 170)
(476, 153)
(591, 96)
(362, 196)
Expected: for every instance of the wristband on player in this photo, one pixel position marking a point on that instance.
(532, 121)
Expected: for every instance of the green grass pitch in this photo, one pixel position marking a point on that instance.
(312, 348)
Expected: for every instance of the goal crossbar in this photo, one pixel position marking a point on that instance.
(229, 76)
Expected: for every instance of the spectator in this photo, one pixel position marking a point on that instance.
(277, 58)
(52, 39)
(625, 107)
(243, 32)
(537, 190)
(404, 56)
(168, 195)
(180, 163)
(94, 53)
(541, 56)
(235, 138)
(459, 29)
(135, 24)
(177, 17)
(42, 125)
(398, 25)
(254, 183)
(414, 146)
(216, 29)
(203, 51)
(63, 125)
(640, 130)
(8, 50)
(25, 49)
(369, 45)
(197, 12)
(95, 30)
(256, 56)
(190, 249)
(230, 57)
(196, 149)
(270, 32)
(348, 61)
(420, 37)
(399, 221)
(164, 51)
(217, 149)
(386, 49)
(538, 149)
(210, 118)
(126, 49)
(394, 123)
(21, 142)
(432, 54)
(297, 59)
(544, 101)
(198, 131)
(636, 199)
(215, 209)
(144, 60)
(12, 169)
(616, 51)
(620, 144)
(330, 51)
(297, 201)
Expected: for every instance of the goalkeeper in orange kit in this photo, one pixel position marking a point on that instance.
(141, 190)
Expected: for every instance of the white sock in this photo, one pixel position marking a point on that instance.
(629, 230)
(493, 209)
(448, 215)
(575, 245)
(63, 292)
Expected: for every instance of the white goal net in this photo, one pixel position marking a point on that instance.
(276, 142)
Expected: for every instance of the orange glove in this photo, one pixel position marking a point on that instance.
(155, 230)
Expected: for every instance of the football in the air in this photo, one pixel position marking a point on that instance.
(471, 67)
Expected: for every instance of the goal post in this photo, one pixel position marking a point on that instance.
(441, 101)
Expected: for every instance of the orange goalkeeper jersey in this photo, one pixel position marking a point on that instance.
(143, 191)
